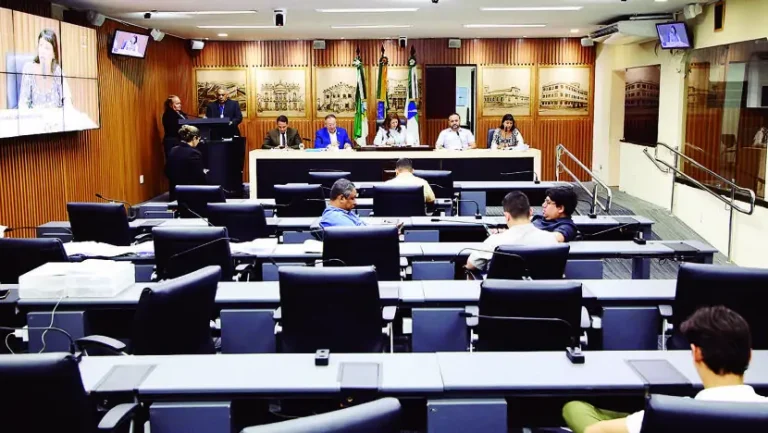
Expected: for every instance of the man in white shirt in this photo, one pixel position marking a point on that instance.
(721, 346)
(518, 212)
(455, 137)
(404, 176)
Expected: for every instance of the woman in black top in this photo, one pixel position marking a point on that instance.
(171, 118)
(184, 165)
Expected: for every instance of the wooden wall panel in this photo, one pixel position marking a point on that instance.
(78, 54)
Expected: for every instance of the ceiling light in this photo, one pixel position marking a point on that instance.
(534, 8)
(382, 26)
(574, 30)
(660, 1)
(222, 35)
(493, 26)
(238, 27)
(213, 12)
(366, 10)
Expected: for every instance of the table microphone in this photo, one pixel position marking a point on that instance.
(448, 220)
(112, 200)
(185, 206)
(535, 175)
(477, 208)
(619, 227)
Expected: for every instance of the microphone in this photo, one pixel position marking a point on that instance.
(573, 352)
(612, 229)
(477, 208)
(535, 175)
(185, 206)
(485, 226)
(112, 200)
(201, 246)
(322, 262)
(72, 347)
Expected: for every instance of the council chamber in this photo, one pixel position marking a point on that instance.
(398, 216)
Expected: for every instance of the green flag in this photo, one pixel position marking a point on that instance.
(411, 108)
(360, 133)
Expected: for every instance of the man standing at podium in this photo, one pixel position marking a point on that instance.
(225, 108)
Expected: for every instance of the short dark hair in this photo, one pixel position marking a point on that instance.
(404, 164)
(563, 196)
(516, 204)
(454, 114)
(282, 118)
(342, 187)
(330, 116)
(723, 337)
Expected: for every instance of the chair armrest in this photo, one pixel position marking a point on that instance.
(277, 315)
(586, 320)
(471, 313)
(142, 238)
(473, 274)
(117, 416)
(388, 314)
(100, 342)
(242, 267)
(665, 311)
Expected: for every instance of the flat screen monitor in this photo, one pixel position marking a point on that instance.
(129, 44)
(673, 36)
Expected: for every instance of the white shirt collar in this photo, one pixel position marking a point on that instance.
(729, 393)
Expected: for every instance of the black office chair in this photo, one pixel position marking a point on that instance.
(45, 393)
(327, 178)
(19, 256)
(380, 416)
(667, 414)
(182, 250)
(552, 309)
(244, 221)
(441, 181)
(398, 200)
(299, 200)
(515, 262)
(196, 199)
(335, 308)
(740, 289)
(364, 246)
(99, 222)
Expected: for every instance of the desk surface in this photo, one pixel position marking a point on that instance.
(438, 154)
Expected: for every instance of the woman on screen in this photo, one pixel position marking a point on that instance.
(673, 36)
(506, 135)
(42, 84)
(131, 44)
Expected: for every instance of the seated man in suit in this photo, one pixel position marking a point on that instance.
(283, 136)
(184, 165)
(517, 212)
(332, 136)
(404, 176)
(224, 107)
(339, 210)
(721, 346)
(557, 209)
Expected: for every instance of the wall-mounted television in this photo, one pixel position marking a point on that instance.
(129, 44)
(674, 36)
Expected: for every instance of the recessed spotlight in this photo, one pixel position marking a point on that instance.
(222, 35)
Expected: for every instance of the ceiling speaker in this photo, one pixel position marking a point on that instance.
(318, 45)
(197, 45)
(95, 19)
(587, 42)
(691, 11)
(454, 43)
(157, 35)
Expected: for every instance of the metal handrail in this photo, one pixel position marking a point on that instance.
(559, 151)
(665, 167)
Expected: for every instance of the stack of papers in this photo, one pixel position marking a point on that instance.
(256, 246)
(88, 279)
(313, 246)
(96, 249)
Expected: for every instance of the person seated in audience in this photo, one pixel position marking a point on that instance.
(392, 133)
(507, 135)
(455, 137)
(185, 163)
(517, 212)
(557, 210)
(339, 210)
(721, 346)
(332, 136)
(404, 176)
(283, 136)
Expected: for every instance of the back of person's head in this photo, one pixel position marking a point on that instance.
(563, 196)
(516, 204)
(342, 187)
(404, 164)
(187, 133)
(723, 337)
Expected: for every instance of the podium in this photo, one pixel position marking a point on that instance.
(214, 128)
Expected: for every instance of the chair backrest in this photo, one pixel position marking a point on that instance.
(15, 66)
(364, 246)
(244, 221)
(667, 414)
(44, 393)
(335, 308)
(530, 299)
(327, 178)
(99, 222)
(299, 200)
(197, 197)
(182, 250)
(173, 317)
(538, 262)
(740, 289)
(379, 416)
(19, 256)
(489, 142)
(440, 180)
(398, 200)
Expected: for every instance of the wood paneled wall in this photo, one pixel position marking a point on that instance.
(40, 174)
(544, 133)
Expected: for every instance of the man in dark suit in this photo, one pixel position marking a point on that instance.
(282, 137)
(224, 107)
(184, 165)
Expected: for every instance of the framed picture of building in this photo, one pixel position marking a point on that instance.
(564, 91)
(209, 81)
(397, 86)
(641, 104)
(281, 91)
(335, 90)
(505, 89)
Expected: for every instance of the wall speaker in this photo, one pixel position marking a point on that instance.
(157, 35)
(402, 41)
(318, 45)
(454, 43)
(587, 42)
(197, 45)
(279, 17)
(691, 11)
(95, 19)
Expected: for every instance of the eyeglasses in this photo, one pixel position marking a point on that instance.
(548, 202)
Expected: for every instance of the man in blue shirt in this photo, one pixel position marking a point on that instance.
(332, 136)
(339, 210)
(557, 209)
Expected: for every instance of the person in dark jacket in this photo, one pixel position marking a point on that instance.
(185, 163)
(171, 117)
(222, 108)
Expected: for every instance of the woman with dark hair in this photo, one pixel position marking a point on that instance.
(184, 165)
(42, 85)
(131, 44)
(392, 133)
(171, 117)
(507, 135)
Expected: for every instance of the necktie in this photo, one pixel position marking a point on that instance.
(221, 110)
(282, 139)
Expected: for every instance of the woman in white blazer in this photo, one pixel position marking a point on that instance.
(392, 133)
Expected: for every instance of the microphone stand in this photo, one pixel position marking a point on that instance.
(478, 216)
(535, 175)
